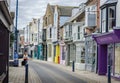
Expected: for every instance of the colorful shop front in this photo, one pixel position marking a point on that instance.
(62, 52)
(38, 52)
(109, 52)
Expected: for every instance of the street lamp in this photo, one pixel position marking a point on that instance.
(16, 37)
(16, 23)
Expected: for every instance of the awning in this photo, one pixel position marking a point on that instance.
(107, 38)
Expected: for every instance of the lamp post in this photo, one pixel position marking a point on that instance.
(16, 37)
(16, 22)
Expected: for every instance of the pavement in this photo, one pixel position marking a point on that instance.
(17, 74)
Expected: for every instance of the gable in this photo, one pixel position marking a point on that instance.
(49, 10)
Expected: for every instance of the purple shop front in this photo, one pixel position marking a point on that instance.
(103, 40)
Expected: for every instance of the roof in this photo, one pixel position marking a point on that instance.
(63, 20)
(65, 10)
(77, 14)
(74, 17)
(109, 2)
(88, 1)
(52, 8)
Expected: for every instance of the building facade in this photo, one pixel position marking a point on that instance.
(21, 43)
(73, 36)
(61, 15)
(47, 25)
(91, 27)
(40, 45)
(108, 41)
(6, 23)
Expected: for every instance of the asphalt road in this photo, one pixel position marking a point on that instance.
(53, 74)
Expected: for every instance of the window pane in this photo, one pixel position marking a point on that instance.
(78, 32)
(103, 20)
(111, 17)
(111, 12)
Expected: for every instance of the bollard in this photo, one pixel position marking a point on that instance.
(73, 66)
(109, 74)
(26, 73)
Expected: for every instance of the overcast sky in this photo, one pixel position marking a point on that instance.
(29, 9)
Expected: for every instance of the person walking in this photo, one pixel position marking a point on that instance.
(25, 58)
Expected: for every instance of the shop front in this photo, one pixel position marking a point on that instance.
(70, 54)
(56, 52)
(62, 52)
(109, 52)
(90, 54)
(49, 52)
(57, 56)
(40, 52)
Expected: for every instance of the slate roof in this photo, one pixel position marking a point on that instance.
(65, 10)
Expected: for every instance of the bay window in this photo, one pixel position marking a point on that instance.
(111, 18)
(108, 17)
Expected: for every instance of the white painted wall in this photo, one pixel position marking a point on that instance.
(55, 27)
(48, 31)
(25, 34)
(40, 29)
(118, 14)
(56, 17)
(75, 31)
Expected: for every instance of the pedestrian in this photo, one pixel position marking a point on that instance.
(16, 58)
(25, 58)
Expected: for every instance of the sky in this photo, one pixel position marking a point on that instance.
(28, 9)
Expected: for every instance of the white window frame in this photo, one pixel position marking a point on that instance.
(110, 19)
(103, 20)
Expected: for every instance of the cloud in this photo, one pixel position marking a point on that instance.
(29, 9)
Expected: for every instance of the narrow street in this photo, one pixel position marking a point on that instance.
(52, 74)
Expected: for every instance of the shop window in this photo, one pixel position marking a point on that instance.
(117, 59)
(83, 55)
(49, 50)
